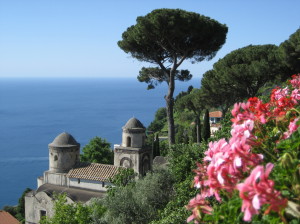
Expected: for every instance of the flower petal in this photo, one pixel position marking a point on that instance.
(256, 202)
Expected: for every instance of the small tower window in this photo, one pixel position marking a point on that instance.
(43, 213)
(128, 142)
(55, 158)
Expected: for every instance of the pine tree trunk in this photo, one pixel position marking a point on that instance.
(170, 108)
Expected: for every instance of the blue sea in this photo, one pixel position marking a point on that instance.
(34, 111)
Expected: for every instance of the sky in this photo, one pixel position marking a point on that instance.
(78, 38)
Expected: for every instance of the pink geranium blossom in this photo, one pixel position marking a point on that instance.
(279, 93)
(258, 190)
(228, 162)
(198, 205)
(292, 128)
(296, 81)
(295, 96)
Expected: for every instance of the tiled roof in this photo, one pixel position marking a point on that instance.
(215, 114)
(93, 171)
(6, 218)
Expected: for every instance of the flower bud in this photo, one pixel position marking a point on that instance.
(286, 161)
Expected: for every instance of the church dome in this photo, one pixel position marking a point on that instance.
(64, 140)
(133, 123)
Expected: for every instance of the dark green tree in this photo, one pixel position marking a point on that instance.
(217, 92)
(97, 151)
(166, 38)
(194, 102)
(241, 73)
(206, 126)
(182, 162)
(139, 202)
(181, 135)
(290, 50)
(65, 213)
(159, 120)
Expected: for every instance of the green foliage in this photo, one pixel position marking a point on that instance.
(154, 76)
(97, 211)
(241, 73)
(224, 132)
(206, 126)
(175, 211)
(139, 202)
(193, 36)
(183, 93)
(181, 135)
(97, 151)
(182, 160)
(64, 213)
(193, 101)
(159, 121)
(167, 37)
(227, 212)
(10, 209)
(123, 177)
(290, 50)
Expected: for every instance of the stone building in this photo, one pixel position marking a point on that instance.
(132, 153)
(84, 181)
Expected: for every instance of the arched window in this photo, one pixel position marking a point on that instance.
(128, 142)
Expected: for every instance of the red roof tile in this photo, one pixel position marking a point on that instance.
(215, 114)
(6, 218)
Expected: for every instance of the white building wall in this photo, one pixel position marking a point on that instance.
(88, 184)
(59, 179)
(35, 204)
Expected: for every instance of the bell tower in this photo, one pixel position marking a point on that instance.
(133, 153)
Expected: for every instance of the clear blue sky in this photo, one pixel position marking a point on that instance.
(72, 38)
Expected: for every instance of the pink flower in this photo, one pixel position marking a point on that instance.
(198, 205)
(292, 128)
(279, 93)
(295, 81)
(258, 190)
(295, 96)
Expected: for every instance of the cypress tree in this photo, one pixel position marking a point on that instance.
(156, 150)
(206, 126)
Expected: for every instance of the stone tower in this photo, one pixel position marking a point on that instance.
(132, 153)
(64, 152)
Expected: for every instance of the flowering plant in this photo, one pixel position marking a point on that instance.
(263, 137)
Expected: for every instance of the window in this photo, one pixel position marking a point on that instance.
(128, 142)
(43, 213)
